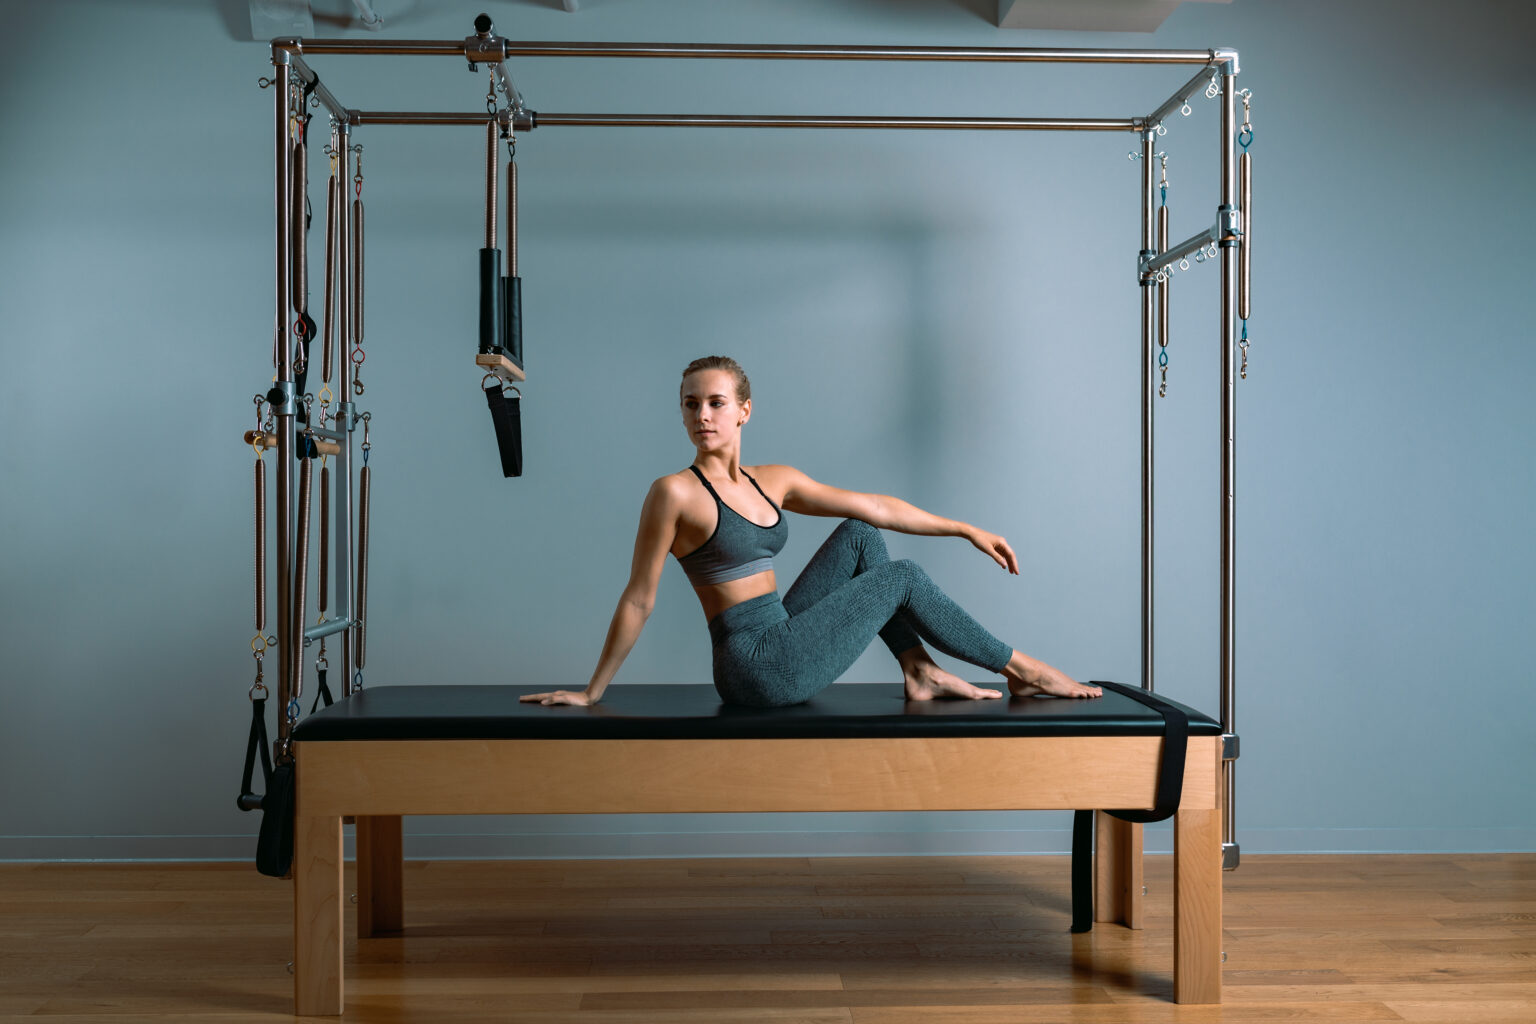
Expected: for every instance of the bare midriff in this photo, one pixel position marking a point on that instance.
(717, 597)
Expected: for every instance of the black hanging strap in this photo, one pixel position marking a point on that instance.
(324, 694)
(1082, 871)
(1170, 786)
(507, 415)
(274, 844)
(249, 799)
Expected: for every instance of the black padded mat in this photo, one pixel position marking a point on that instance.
(694, 711)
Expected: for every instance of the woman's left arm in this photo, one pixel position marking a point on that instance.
(813, 498)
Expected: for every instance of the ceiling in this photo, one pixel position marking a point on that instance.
(273, 18)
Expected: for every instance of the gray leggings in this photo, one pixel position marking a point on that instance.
(772, 653)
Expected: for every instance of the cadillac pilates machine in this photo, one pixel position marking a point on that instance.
(378, 754)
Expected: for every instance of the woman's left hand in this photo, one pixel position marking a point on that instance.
(576, 697)
(997, 548)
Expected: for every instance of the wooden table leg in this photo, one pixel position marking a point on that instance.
(317, 887)
(380, 862)
(1117, 871)
(1197, 906)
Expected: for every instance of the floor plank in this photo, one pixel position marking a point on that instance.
(961, 940)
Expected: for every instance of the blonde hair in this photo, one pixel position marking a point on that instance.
(729, 365)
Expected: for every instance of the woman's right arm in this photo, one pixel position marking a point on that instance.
(658, 530)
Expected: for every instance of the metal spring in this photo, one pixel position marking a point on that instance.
(301, 577)
(1245, 178)
(360, 648)
(323, 593)
(357, 271)
(299, 265)
(512, 218)
(1162, 288)
(491, 188)
(261, 547)
(332, 223)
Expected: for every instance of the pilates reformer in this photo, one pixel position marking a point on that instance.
(375, 755)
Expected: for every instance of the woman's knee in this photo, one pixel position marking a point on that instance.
(909, 573)
(860, 534)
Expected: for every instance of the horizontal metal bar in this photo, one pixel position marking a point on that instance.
(326, 628)
(1178, 99)
(756, 51)
(522, 122)
(751, 51)
(1152, 264)
(757, 121)
(376, 47)
(334, 435)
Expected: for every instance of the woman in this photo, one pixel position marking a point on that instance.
(724, 525)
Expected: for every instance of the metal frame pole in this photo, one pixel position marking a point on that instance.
(282, 344)
(345, 416)
(1231, 229)
(1148, 348)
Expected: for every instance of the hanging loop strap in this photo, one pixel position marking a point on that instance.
(506, 415)
(1165, 803)
(257, 744)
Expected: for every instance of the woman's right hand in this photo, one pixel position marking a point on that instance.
(578, 698)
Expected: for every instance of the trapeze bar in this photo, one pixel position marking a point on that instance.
(327, 628)
(1193, 244)
(1178, 99)
(754, 121)
(270, 441)
(745, 51)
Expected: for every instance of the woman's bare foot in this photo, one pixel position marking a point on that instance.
(923, 679)
(1028, 677)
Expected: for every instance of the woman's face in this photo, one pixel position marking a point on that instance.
(711, 414)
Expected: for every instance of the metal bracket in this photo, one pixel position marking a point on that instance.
(1229, 223)
(281, 398)
(1230, 747)
(1226, 56)
(1231, 854)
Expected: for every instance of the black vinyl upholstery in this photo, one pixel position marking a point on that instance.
(694, 711)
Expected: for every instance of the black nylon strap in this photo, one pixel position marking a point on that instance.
(1082, 871)
(1170, 769)
(1170, 786)
(323, 694)
(274, 844)
(506, 414)
(257, 744)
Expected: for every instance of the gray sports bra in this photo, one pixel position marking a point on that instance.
(738, 548)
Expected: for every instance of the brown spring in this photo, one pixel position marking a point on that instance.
(360, 648)
(323, 593)
(332, 221)
(357, 271)
(301, 576)
(491, 162)
(299, 264)
(261, 547)
(1162, 288)
(1245, 179)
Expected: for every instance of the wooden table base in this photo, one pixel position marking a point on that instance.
(381, 780)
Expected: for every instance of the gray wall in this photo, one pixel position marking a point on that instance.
(947, 317)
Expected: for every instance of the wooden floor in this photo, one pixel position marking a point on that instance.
(847, 940)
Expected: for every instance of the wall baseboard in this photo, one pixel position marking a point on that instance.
(560, 838)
